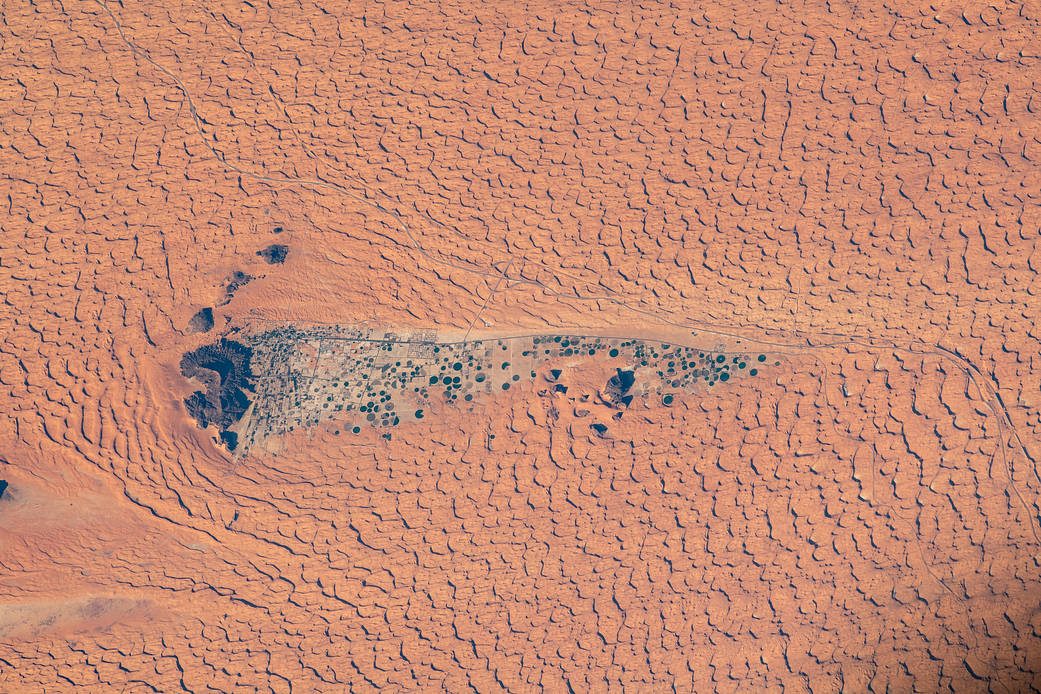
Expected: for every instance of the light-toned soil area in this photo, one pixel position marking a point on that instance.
(854, 189)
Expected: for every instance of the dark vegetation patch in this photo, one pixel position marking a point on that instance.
(275, 253)
(224, 368)
(202, 321)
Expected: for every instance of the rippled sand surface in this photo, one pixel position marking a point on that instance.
(851, 192)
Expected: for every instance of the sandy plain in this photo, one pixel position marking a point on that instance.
(857, 186)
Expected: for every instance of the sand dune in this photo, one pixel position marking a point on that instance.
(851, 192)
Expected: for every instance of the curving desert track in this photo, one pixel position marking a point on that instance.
(855, 187)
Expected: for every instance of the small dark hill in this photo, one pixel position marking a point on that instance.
(202, 321)
(616, 392)
(275, 253)
(238, 278)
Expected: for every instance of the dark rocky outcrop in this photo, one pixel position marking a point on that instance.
(616, 393)
(202, 321)
(275, 253)
(230, 439)
(224, 369)
(198, 408)
(238, 278)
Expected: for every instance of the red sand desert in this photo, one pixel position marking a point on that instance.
(409, 347)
